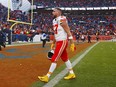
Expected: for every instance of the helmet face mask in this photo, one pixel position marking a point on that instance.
(50, 54)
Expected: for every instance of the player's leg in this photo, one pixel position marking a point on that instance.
(60, 46)
(46, 77)
(44, 42)
(64, 57)
(0, 48)
(71, 74)
(57, 53)
(3, 44)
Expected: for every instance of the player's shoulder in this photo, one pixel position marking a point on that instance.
(62, 17)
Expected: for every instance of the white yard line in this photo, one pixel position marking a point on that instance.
(23, 43)
(59, 76)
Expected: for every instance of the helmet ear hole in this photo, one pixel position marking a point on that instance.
(50, 54)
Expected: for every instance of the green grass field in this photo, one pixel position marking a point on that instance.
(96, 69)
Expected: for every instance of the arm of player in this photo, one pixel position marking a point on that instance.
(67, 29)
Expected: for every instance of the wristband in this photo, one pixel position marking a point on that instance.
(70, 37)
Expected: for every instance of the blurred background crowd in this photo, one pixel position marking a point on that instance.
(42, 21)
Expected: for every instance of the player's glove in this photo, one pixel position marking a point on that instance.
(72, 47)
(52, 46)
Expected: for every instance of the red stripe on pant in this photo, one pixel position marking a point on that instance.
(60, 51)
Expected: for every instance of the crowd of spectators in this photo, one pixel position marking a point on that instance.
(18, 15)
(75, 3)
(92, 24)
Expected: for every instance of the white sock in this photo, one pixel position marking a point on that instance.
(51, 70)
(69, 66)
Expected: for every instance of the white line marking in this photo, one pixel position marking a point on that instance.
(59, 76)
(21, 44)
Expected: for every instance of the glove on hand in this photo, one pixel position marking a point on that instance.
(52, 46)
(72, 47)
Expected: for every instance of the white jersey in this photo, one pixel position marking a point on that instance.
(59, 32)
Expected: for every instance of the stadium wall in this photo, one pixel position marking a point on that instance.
(93, 37)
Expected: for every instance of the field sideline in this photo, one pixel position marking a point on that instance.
(96, 69)
(22, 63)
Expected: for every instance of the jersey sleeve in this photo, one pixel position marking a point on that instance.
(63, 19)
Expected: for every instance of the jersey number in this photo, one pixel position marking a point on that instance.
(55, 27)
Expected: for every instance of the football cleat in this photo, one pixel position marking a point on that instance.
(43, 78)
(70, 76)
